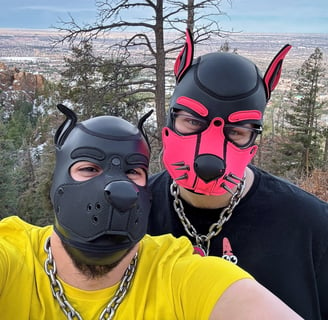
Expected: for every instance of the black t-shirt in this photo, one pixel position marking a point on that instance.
(278, 232)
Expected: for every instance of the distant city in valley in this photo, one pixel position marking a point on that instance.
(33, 50)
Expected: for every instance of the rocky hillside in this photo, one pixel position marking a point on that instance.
(18, 85)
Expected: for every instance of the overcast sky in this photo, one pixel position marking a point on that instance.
(279, 16)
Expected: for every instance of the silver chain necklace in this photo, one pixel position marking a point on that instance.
(59, 295)
(203, 242)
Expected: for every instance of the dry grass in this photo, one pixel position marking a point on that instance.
(317, 184)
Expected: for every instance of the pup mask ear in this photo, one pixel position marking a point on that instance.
(141, 123)
(185, 57)
(272, 74)
(66, 127)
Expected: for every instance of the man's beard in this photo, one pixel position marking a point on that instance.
(93, 271)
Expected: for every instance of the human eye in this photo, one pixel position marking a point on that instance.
(132, 173)
(89, 169)
(188, 124)
(240, 136)
(85, 170)
(238, 132)
(194, 123)
(137, 175)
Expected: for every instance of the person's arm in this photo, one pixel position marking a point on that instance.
(248, 300)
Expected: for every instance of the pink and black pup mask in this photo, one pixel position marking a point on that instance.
(222, 90)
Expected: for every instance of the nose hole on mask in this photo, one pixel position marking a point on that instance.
(217, 123)
(95, 219)
(166, 132)
(89, 207)
(98, 206)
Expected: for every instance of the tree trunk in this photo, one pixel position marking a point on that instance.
(160, 69)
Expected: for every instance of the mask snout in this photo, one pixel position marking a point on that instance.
(209, 167)
(123, 195)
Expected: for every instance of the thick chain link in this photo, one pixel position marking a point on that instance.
(59, 295)
(204, 241)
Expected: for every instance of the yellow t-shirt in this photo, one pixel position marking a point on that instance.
(169, 283)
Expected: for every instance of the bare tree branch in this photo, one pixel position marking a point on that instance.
(152, 31)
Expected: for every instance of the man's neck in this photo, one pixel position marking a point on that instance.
(67, 271)
(214, 202)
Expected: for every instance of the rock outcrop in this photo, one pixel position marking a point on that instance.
(15, 81)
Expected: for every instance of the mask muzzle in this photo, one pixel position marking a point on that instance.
(205, 162)
(101, 216)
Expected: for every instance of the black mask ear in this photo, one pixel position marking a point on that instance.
(141, 122)
(272, 75)
(66, 127)
(185, 57)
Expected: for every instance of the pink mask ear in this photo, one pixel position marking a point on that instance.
(272, 75)
(185, 57)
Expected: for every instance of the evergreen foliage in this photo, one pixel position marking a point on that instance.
(294, 144)
(16, 171)
(294, 141)
(303, 149)
(96, 86)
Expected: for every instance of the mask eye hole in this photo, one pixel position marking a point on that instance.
(241, 136)
(85, 170)
(185, 123)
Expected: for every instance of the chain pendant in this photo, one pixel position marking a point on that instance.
(199, 250)
(59, 295)
(202, 246)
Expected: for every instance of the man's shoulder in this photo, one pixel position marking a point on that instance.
(167, 244)
(285, 191)
(15, 223)
(13, 228)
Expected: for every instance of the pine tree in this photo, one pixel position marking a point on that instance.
(96, 85)
(303, 149)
